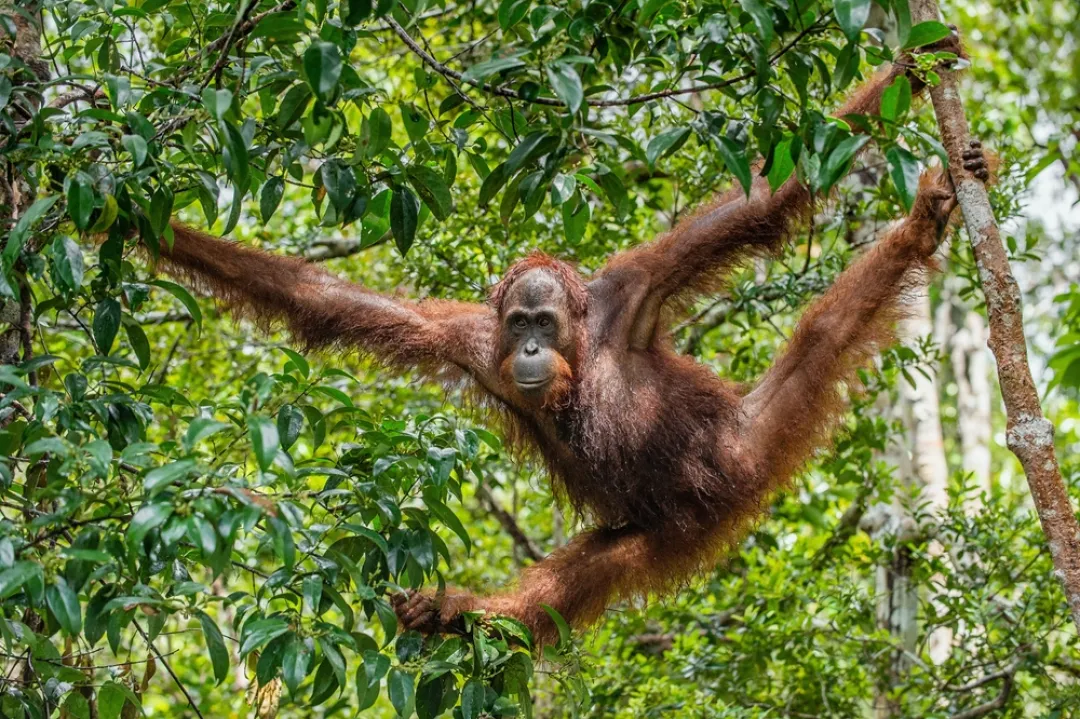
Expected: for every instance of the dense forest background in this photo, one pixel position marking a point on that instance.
(198, 520)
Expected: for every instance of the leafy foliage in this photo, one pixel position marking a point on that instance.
(179, 497)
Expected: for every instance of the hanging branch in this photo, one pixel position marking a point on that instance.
(1030, 435)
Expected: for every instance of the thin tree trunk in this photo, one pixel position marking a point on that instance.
(929, 469)
(15, 194)
(1029, 435)
(897, 596)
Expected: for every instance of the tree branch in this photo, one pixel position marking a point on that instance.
(244, 28)
(1030, 435)
(993, 705)
(232, 37)
(508, 523)
(169, 669)
(554, 102)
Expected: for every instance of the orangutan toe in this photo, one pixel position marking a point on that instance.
(974, 161)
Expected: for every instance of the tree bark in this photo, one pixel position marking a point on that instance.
(921, 408)
(15, 193)
(1029, 435)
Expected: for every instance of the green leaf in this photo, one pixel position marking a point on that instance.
(106, 324)
(13, 578)
(762, 18)
(480, 72)
(80, 198)
(401, 689)
(904, 170)
(531, 147)
(324, 685)
(149, 517)
(312, 591)
(22, 228)
(237, 160)
(925, 33)
(354, 12)
(161, 204)
(270, 197)
(293, 105)
(847, 64)
(575, 215)
(322, 66)
(166, 474)
(445, 515)
(494, 182)
(840, 160)
(184, 296)
(64, 604)
(896, 100)
(296, 662)
(111, 698)
(560, 624)
(201, 428)
(75, 706)
(217, 102)
(68, 265)
(783, 164)
(903, 21)
(290, 421)
(215, 645)
(511, 12)
(566, 84)
(138, 341)
(368, 676)
(431, 187)
(736, 161)
(852, 16)
(340, 183)
(562, 188)
(264, 440)
(137, 147)
(404, 214)
(472, 699)
(299, 362)
(667, 142)
(415, 120)
(377, 129)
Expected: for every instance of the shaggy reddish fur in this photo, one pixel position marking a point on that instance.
(671, 462)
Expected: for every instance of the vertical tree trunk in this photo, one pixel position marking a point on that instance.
(1029, 435)
(896, 594)
(15, 194)
(929, 469)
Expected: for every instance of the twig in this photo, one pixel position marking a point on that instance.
(993, 705)
(1006, 672)
(244, 28)
(169, 669)
(91, 96)
(232, 37)
(508, 523)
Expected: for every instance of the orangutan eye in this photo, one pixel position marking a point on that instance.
(544, 322)
(520, 323)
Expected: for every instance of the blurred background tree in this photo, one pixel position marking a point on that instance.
(200, 521)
